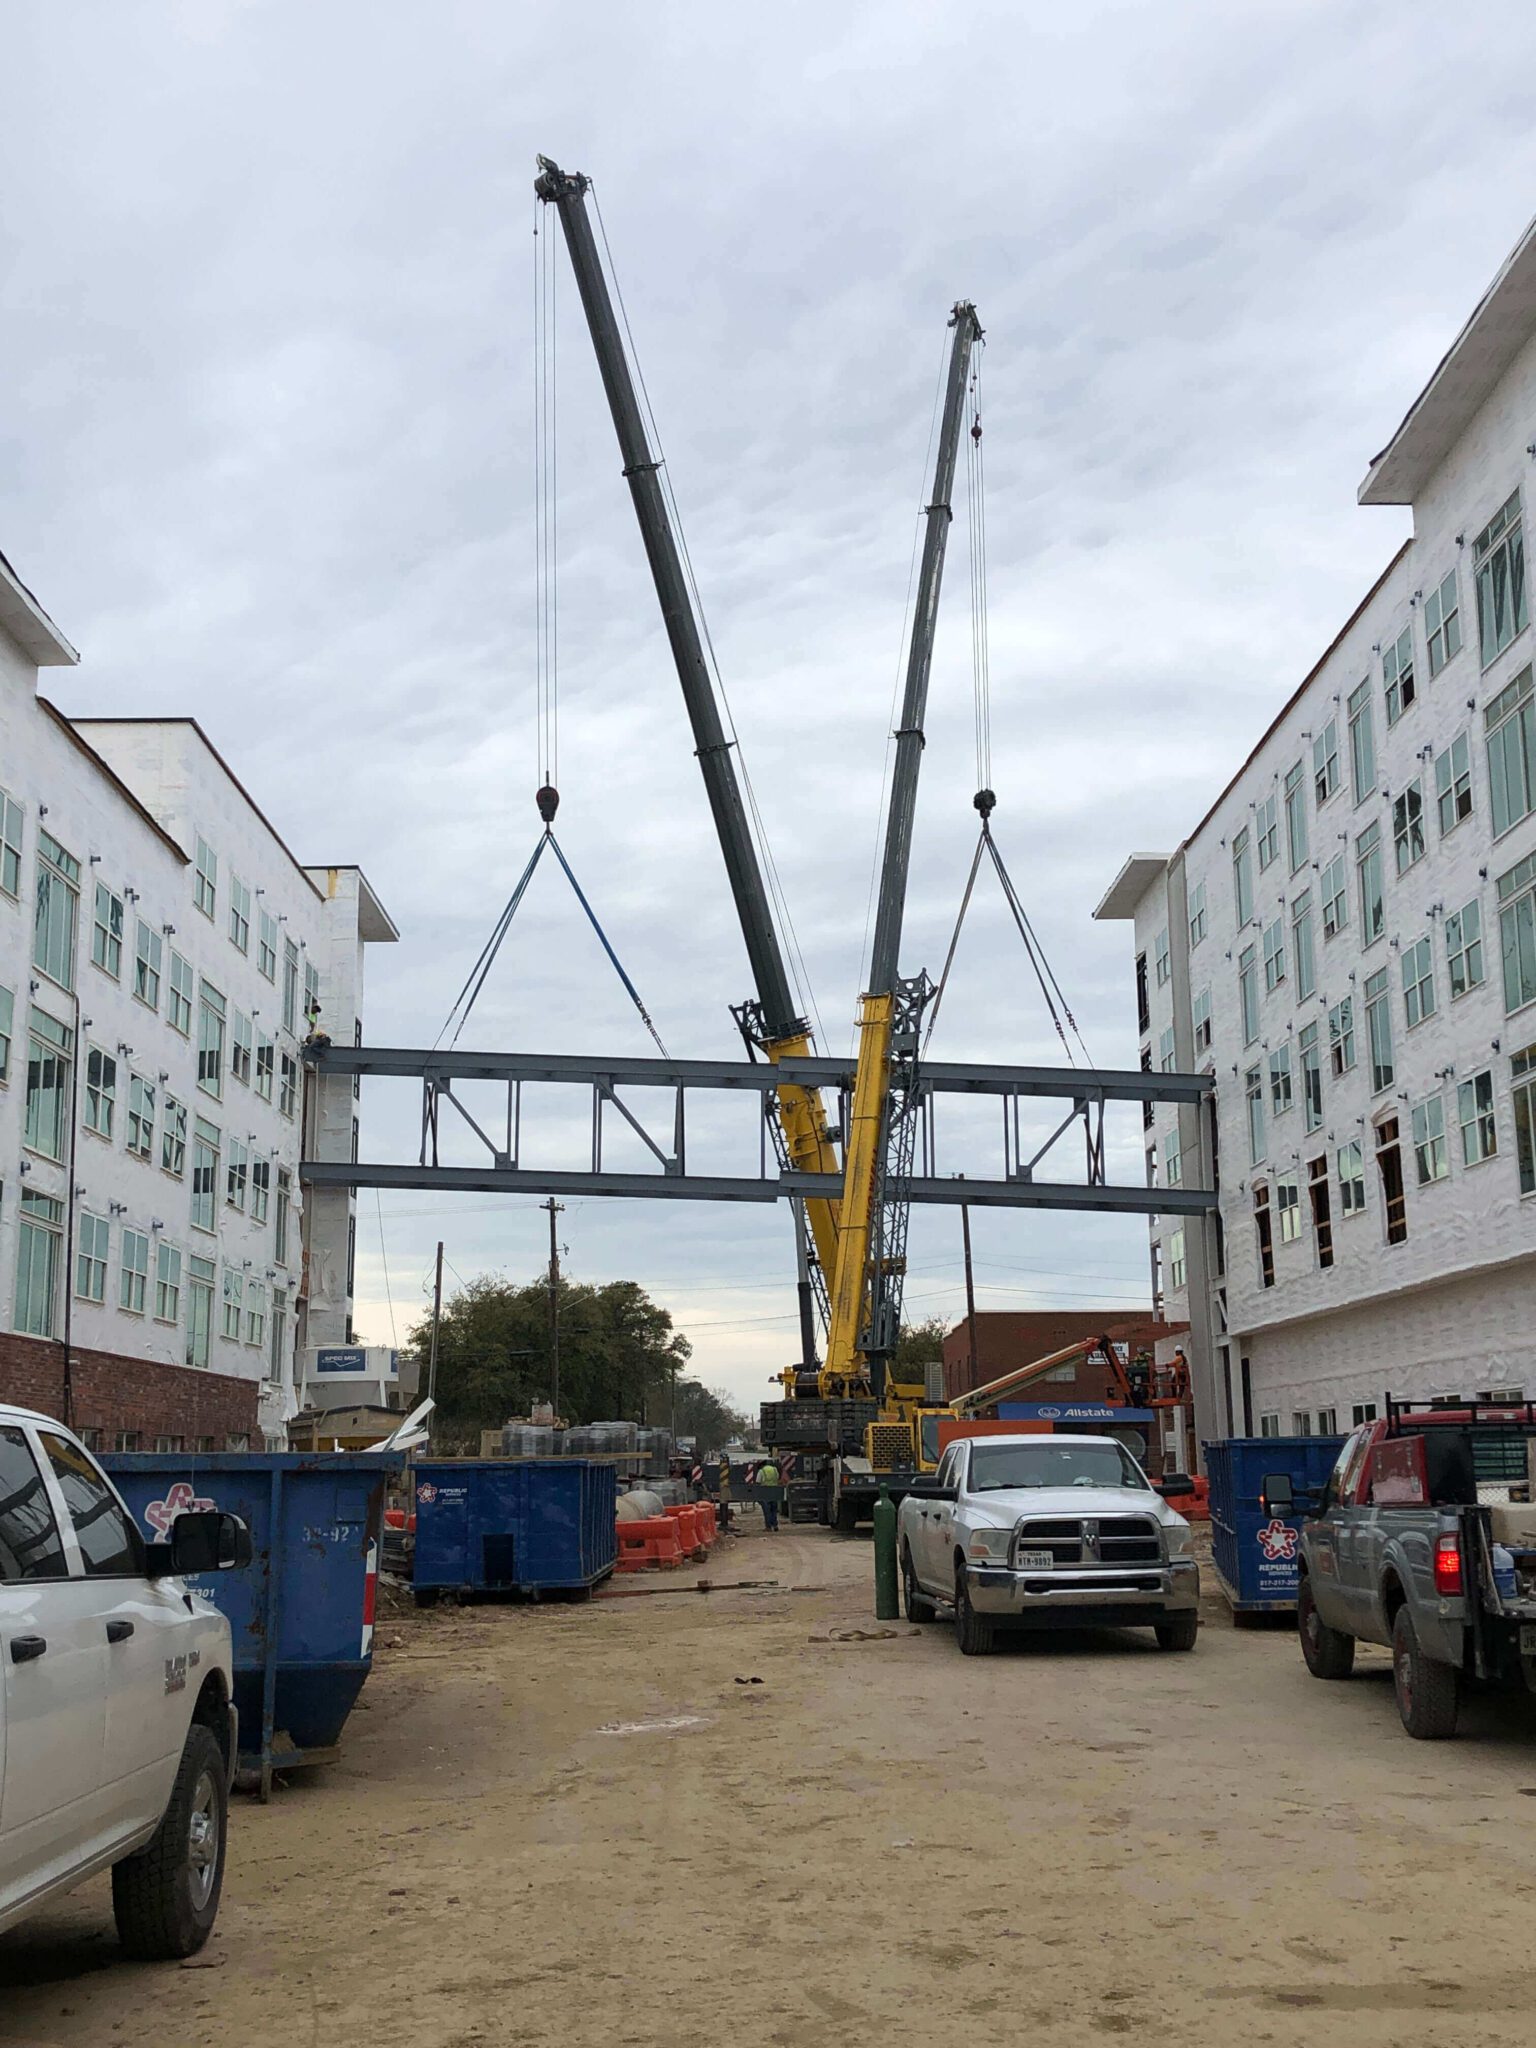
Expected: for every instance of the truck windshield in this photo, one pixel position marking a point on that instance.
(995, 1466)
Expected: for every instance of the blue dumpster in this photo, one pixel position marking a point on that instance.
(513, 1525)
(301, 1614)
(1255, 1553)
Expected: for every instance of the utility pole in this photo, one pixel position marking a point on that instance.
(970, 1286)
(555, 1209)
(437, 1317)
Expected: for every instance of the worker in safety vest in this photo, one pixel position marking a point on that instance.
(768, 1494)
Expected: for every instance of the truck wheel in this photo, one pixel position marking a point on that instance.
(1329, 1652)
(847, 1519)
(916, 1602)
(972, 1632)
(166, 1898)
(1178, 1632)
(1428, 1693)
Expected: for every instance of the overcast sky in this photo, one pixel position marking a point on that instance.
(265, 455)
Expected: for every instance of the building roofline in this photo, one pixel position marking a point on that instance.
(233, 777)
(66, 725)
(29, 625)
(1129, 886)
(1493, 334)
(371, 911)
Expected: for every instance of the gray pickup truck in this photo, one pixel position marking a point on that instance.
(1424, 1540)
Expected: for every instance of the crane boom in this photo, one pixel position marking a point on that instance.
(785, 1034)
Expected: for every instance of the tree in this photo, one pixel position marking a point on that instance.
(706, 1414)
(920, 1344)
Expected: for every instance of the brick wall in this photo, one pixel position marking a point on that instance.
(113, 1393)
(1007, 1339)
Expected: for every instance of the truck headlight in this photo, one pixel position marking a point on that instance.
(987, 1543)
(1179, 1539)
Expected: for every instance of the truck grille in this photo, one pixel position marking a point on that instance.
(1092, 1540)
(890, 1446)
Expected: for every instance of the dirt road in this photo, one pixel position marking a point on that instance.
(577, 1824)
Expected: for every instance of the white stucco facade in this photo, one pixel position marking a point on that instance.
(1363, 1288)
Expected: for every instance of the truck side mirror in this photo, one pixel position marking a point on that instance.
(208, 1541)
(1277, 1496)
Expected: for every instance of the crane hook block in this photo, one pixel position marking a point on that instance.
(548, 801)
(985, 802)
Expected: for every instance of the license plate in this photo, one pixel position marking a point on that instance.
(1044, 1560)
(1528, 1638)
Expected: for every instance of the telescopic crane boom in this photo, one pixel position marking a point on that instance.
(808, 1142)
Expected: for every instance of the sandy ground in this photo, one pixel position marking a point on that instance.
(577, 1824)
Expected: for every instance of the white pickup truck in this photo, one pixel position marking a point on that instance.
(117, 1733)
(1047, 1532)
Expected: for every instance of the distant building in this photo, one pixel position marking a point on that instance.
(162, 957)
(1007, 1339)
(1347, 941)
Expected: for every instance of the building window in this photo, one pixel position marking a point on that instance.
(205, 884)
(1362, 742)
(1351, 1178)
(100, 1091)
(1248, 994)
(1177, 1276)
(1296, 816)
(1164, 1060)
(1335, 895)
(1498, 568)
(39, 1252)
(241, 1041)
(234, 1303)
(291, 986)
(107, 932)
(311, 994)
(284, 1203)
(1322, 1211)
(1429, 1151)
(277, 1350)
(1442, 624)
(1274, 956)
(1264, 1233)
(255, 1313)
(148, 951)
(1325, 761)
(1288, 1205)
(1389, 1165)
(178, 1010)
(261, 1187)
(1173, 1159)
(199, 1309)
(266, 1057)
(235, 1176)
(93, 1244)
(1510, 727)
(7, 1024)
(1361, 1413)
(1368, 870)
(173, 1137)
(1302, 946)
(57, 912)
(1242, 876)
(1327, 1421)
(50, 1065)
(1160, 958)
(1301, 1422)
(205, 1176)
(1269, 1425)
(1453, 783)
(1397, 675)
(1280, 1081)
(1341, 1035)
(239, 914)
(133, 1281)
(1267, 826)
(1517, 933)
(10, 845)
(1196, 914)
(167, 1283)
(1311, 1076)
(1378, 1030)
(1143, 997)
(1200, 1017)
(1408, 826)
(1464, 947)
(288, 1084)
(1418, 982)
(1474, 1112)
(141, 1117)
(1254, 1086)
(266, 945)
(210, 1040)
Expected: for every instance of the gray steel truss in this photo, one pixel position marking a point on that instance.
(1083, 1092)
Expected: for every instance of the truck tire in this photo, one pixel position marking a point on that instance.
(166, 1898)
(972, 1631)
(1428, 1693)
(916, 1602)
(1329, 1652)
(1178, 1632)
(847, 1517)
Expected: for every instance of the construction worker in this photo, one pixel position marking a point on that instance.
(768, 1494)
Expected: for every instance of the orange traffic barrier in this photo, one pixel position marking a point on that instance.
(690, 1531)
(709, 1524)
(653, 1545)
(1195, 1506)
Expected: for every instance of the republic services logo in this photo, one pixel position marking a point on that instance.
(1278, 1542)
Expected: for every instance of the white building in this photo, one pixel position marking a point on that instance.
(1347, 941)
(162, 957)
